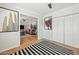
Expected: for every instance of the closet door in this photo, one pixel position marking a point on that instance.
(68, 30)
(58, 29)
(60, 34)
(55, 29)
(75, 29)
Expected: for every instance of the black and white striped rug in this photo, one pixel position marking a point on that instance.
(44, 48)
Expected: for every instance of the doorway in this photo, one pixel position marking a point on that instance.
(28, 28)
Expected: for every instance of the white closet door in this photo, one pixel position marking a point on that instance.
(60, 34)
(55, 29)
(75, 25)
(68, 30)
(58, 29)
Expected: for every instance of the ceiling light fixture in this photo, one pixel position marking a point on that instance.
(49, 5)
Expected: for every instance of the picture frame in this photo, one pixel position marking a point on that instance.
(9, 20)
(48, 23)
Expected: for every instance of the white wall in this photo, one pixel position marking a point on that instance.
(10, 40)
(40, 27)
(42, 33)
(65, 27)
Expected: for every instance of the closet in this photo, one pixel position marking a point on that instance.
(66, 29)
(58, 29)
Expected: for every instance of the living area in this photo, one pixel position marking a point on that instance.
(28, 26)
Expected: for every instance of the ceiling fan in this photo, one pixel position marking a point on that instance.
(50, 5)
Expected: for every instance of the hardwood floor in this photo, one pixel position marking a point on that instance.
(24, 43)
(28, 41)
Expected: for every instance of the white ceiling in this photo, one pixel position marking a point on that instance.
(42, 8)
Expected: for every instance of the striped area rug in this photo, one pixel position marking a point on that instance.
(44, 48)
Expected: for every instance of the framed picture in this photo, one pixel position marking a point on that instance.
(9, 20)
(48, 23)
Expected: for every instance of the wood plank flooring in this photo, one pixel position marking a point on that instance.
(44, 48)
(24, 42)
(32, 40)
